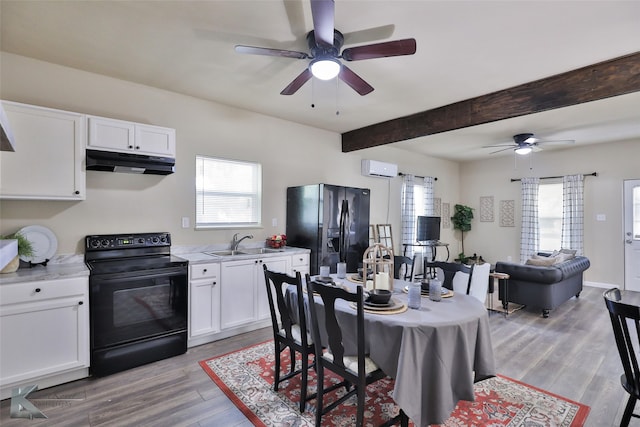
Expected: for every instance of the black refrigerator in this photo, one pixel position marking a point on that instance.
(332, 221)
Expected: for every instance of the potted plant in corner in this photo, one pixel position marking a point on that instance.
(461, 220)
(25, 248)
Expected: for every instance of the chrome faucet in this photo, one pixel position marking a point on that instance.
(235, 242)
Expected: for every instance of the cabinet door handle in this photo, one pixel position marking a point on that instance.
(80, 302)
(131, 146)
(204, 270)
(137, 147)
(215, 283)
(77, 192)
(38, 290)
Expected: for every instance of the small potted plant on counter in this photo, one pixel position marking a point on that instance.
(25, 248)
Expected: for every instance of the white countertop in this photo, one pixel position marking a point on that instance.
(50, 272)
(66, 266)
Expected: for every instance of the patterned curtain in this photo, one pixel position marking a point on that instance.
(530, 234)
(573, 212)
(429, 208)
(408, 213)
(408, 208)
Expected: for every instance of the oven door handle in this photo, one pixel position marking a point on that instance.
(137, 275)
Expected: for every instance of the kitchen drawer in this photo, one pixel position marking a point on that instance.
(299, 260)
(43, 290)
(205, 271)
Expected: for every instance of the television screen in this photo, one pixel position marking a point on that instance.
(428, 228)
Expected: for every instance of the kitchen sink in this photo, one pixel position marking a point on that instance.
(226, 253)
(261, 250)
(246, 251)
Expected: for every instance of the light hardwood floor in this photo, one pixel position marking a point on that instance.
(572, 353)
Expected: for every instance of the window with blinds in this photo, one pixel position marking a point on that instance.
(228, 193)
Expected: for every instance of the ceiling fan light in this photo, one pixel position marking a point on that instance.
(325, 69)
(523, 150)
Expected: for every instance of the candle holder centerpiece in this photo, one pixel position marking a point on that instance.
(377, 262)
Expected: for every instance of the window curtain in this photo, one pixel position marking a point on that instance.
(530, 234)
(408, 208)
(573, 212)
(408, 212)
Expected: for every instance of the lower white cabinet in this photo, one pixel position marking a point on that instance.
(204, 300)
(230, 297)
(44, 333)
(300, 262)
(243, 293)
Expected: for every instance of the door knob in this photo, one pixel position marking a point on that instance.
(628, 241)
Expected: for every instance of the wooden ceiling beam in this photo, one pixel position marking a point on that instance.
(606, 79)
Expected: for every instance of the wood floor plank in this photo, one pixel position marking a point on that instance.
(572, 353)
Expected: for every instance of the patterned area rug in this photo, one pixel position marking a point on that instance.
(246, 377)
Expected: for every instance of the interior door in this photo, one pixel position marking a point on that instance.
(632, 235)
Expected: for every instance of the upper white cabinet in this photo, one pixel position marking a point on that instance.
(48, 161)
(129, 137)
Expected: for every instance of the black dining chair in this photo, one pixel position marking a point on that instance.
(450, 269)
(358, 370)
(287, 331)
(398, 262)
(625, 319)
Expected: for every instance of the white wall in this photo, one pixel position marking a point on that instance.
(291, 154)
(603, 240)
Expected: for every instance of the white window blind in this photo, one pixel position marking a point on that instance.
(228, 193)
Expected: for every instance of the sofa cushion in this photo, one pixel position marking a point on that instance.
(541, 261)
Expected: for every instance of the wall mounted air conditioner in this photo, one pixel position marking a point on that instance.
(379, 169)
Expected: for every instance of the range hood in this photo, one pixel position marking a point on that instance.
(111, 161)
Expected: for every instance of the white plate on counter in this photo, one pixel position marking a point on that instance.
(44, 242)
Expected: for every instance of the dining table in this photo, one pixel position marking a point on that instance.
(434, 354)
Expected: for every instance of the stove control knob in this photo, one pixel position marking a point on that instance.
(94, 243)
(155, 240)
(105, 242)
(141, 240)
(163, 239)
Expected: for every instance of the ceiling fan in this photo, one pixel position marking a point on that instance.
(325, 43)
(524, 143)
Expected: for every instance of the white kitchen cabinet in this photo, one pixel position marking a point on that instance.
(237, 293)
(243, 291)
(204, 300)
(300, 262)
(128, 137)
(48, 161)
(44, 332)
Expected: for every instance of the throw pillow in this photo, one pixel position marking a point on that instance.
(541, 261)
(571, 252)
(562, 257)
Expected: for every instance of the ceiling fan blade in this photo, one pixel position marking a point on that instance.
(252, 50)
(504, 149)
(557, 142)
(297, 83)
(510, 144)
(380, 50)
(323, 12)
(355, 81)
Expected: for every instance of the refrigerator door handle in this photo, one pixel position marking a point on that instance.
(344, 230)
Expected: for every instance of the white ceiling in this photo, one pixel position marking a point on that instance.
(465, 49)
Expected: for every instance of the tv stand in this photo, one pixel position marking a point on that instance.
(433, 245)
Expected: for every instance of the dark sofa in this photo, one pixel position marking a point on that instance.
(545, 287)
